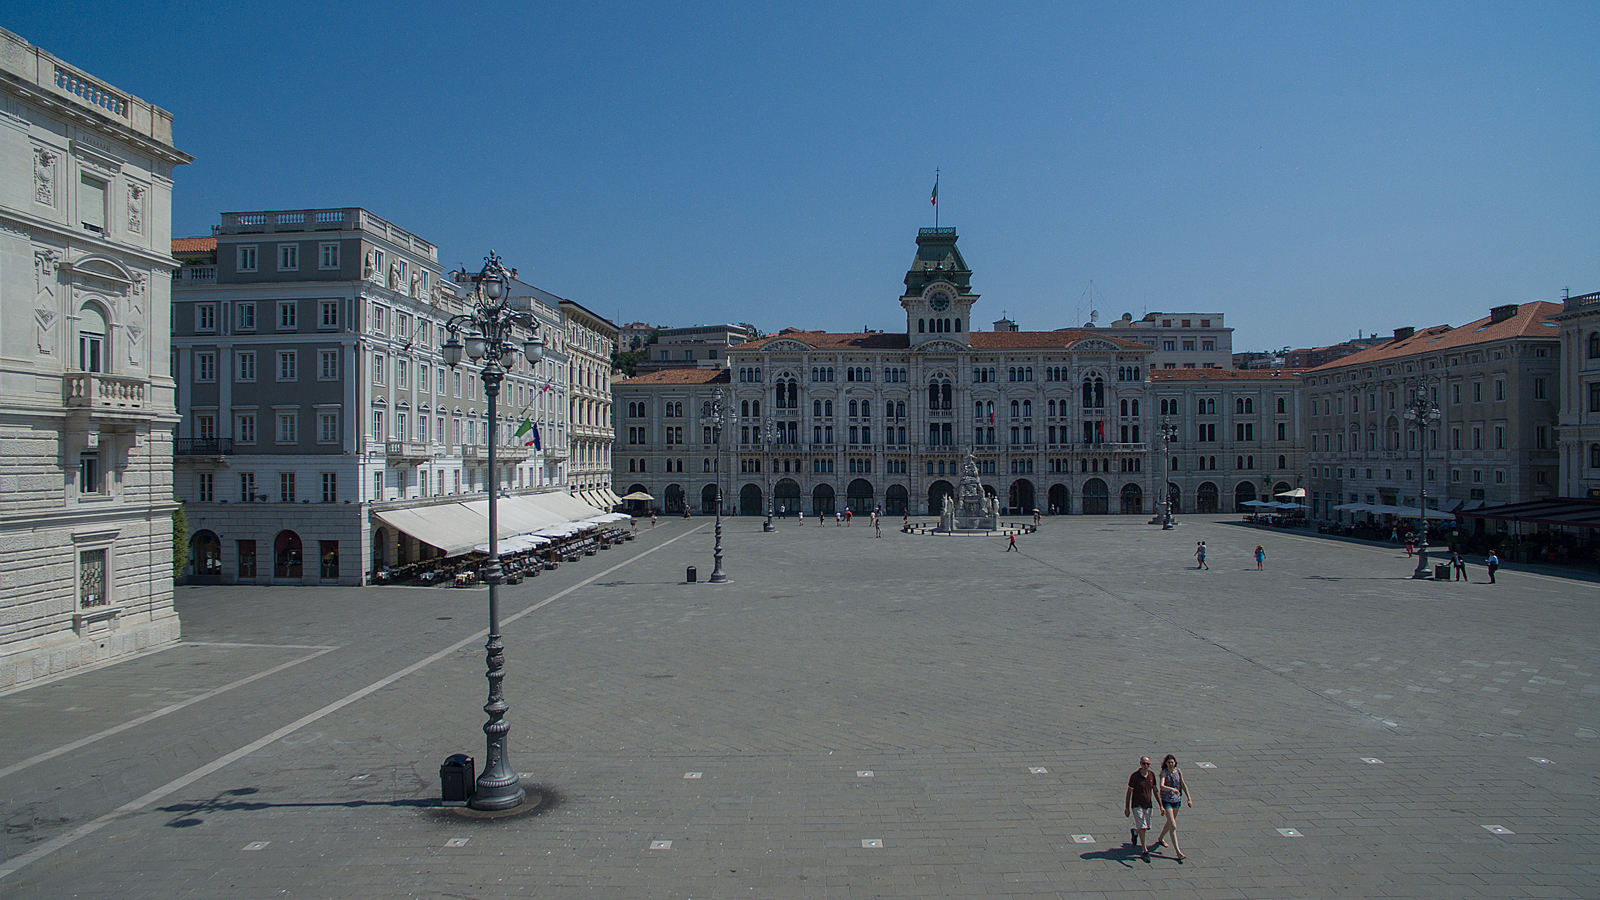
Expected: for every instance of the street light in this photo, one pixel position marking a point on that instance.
(1421, 412)
(714, 410)
(1169, 433)
(770, 429)
(489, 337)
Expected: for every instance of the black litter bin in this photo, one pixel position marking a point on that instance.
(691, 575)
(1441, 572)
(457, 779)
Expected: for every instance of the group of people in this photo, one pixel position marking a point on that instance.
(1144, 788)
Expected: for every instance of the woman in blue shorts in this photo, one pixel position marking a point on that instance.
(1174, 791)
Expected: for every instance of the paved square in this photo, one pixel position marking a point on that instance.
(849, 717)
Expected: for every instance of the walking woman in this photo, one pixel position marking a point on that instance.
(1173, 794)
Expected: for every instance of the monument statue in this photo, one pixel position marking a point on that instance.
(970, 508)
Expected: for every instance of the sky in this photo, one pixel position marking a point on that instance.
(1311, 171)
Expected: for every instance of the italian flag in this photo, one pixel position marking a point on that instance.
(935, 197)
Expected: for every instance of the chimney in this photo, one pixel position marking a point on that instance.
(1401, 334)
(1502, 313)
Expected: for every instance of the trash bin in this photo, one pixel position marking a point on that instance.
(1441, 572)
(690, 575)
(457, 778)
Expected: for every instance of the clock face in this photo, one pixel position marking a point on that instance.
(939, 300)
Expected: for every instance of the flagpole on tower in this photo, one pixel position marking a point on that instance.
(935, 197)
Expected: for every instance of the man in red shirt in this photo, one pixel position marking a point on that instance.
(1137, 802)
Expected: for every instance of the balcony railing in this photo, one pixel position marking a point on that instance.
(195, 275)
(97, 390)
(203, 446)
(407, 450)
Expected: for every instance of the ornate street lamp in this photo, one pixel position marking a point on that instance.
(770, 428)
(1169, 433)
(1421, 412)
(714, 410)
(488, 336)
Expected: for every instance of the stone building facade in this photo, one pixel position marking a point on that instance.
(591, 340)
(1237, 436)
(1496, 382)
(316, 404)
(1058, 420)
(1579, 443)
(86, 401)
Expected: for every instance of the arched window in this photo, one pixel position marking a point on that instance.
(1283, 461)
(948, 395)
(958, 326)
(1027, 409)
(919, 326)
(1124, 407)
(1280, 405)
(853, 407)
(1016, 408)
(744, 409)
(827, 409)
(816, 408)
(755, 408)
(92, 331)
(866, 409)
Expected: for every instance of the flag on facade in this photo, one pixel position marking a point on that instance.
(524, 428)
(533, 437)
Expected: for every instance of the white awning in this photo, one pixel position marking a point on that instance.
(565, 505)
(612, 497)
(452, 527)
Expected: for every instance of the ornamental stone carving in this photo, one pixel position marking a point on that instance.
(44, 175)
(136, 208)
(44, 269)
(45, 323)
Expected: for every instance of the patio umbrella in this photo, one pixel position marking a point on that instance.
(638, 495)
(1297, 492)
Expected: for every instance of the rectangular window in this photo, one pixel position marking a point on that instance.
(205, 367)
(377, 425)
(288, 257)
(1499, 437)
(288, 315)
(1499, 389)
(327, 365)
(92, 578)
(1538, 389)
(330, 487)
(401, 367)
(377, 368)
(92, 204)
(205, 487)
(329, 310)
(1594, 398)
(205, 317)
(1541, 437)
(288, 365)
(1477, 438)
(1283, 431)
(247, 487)
(247, 259)
(246, 316)
(328, 427)
(286, 487)
(377, 485)
(380, 319)
(205, 426)
(1477, 392)
(247, 365)
(1244, 431)
(327, 256)
(245, 427)
(288, 428)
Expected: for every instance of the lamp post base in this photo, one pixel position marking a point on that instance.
(767, 526)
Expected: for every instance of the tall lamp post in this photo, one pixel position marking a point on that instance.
(766, 434)
(1169, 433)
(1421, 412)
(488, 336)
(714, 410)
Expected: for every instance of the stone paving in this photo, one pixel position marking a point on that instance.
(909, 716)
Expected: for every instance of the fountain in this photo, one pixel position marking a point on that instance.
(970, 509)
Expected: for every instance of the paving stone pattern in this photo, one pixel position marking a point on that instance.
(911, 716)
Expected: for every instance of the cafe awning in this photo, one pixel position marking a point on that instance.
(1566, 512)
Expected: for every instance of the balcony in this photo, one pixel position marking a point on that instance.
(104, 393)
(195, 275)
(407, 451)
(202, 447)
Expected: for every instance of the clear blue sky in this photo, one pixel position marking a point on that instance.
(1309, 170)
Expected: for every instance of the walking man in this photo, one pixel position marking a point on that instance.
(1458, 566)
(1200, 555)
(1137, 802)
(1011, 543)
(1494, 565)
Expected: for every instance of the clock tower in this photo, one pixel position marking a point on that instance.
(938, 298)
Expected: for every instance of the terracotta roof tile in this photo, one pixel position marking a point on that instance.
(1532, 320)
(1225, 374)
(676, 376)
(194, 245)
